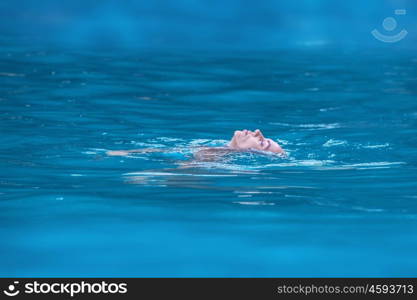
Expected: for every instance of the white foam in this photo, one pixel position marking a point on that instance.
(368, 209)
(176, 174)
(253, 203)
(376, 146)
(302, 163)
(332, 143)
(310, 126)
(361, 166)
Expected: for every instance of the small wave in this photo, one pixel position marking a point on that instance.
(254, 192)
(328, 109)
(310, 126)
(156, 174)
(332, 142)
(207, 142)
(11, 74)
(149, 144)
(284, 187)
(253, 203)
(168, 139)
(331, 165)
(376, 146)
(301, 163)
(368, 209)
(377, 164)
(237, 169)
(361, 166)
(199, 141)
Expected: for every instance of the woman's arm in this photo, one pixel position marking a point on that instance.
(127, 152)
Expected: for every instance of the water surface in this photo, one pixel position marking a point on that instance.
(344, 202)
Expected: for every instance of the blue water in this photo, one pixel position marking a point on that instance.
(344, 202)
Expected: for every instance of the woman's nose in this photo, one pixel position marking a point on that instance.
(258, 133)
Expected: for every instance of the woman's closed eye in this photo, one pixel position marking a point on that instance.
(265, 144)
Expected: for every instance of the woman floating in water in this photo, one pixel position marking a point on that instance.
(242, 140)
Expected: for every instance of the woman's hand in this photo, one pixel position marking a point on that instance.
(127, 152)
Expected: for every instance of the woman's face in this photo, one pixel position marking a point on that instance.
(246, 139)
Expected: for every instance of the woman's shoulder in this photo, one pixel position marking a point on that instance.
(211, 153)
